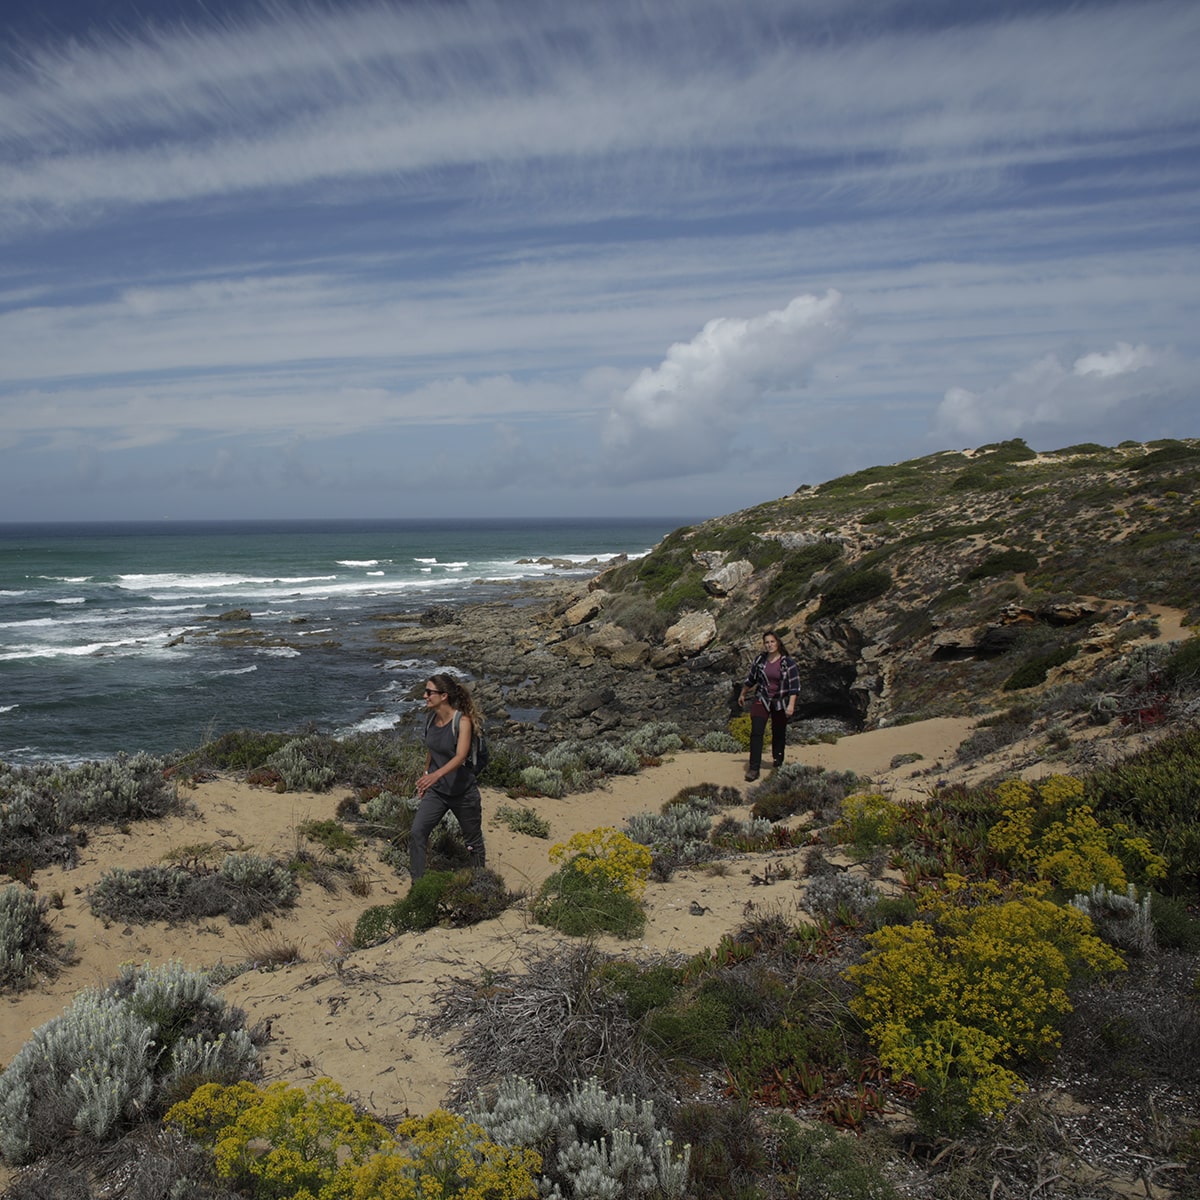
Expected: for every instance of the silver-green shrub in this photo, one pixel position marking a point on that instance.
(390, 809)
(300, 767)
(594, 1146)
(253, 873)
(1120, 918)
(115, 789)
(681, 831)
(591, 759)
(24, 935)
(106, 1061)
(655, 739)
(543, 782)
(827, 894)
(719, 741)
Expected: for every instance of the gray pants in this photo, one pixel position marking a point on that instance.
(467, 809)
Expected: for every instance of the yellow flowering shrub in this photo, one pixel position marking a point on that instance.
(437, 1157)
(955, 1000)
(1048, 831)
(284, 1143)
(606, 857)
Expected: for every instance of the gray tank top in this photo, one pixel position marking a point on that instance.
(442, 746)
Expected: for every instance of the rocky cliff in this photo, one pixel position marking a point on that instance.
(934, 586)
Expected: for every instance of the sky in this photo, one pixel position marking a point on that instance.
(573, 258)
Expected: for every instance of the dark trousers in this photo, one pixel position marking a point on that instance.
(467, 809)
(759, 716)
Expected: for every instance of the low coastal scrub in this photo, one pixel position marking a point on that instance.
(46, 810)
(956, 1000)
(588, 1142)
(310, 761)
(117, 1056)
(597, 887)
(243, 887)
(456, 898)
(797, 788)
(286, 1143)
(579, 766)
(29, 946)
(523, 820)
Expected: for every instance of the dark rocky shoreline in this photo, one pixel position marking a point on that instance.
(545, 655)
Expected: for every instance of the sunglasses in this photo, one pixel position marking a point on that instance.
(433, 692)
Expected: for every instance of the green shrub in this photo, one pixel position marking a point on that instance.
(1182, 667)
(580, 905)
(505, 766)
(330, 834)
(1157, 792)
(1004, 562)
(115, 1055)
(239, 750)
(853, 588)
(1174, 926)
(1034, 671)
(523, 820)
(798, 787)
(829, 1165)
(455, 898)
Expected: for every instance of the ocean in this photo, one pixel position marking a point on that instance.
(100, 643)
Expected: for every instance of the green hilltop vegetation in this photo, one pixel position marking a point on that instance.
(1046, 545)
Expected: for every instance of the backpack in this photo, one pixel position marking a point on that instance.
(480, 753)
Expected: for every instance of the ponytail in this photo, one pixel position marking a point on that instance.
(459, 696)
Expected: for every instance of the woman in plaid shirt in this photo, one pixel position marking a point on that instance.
(774, 680)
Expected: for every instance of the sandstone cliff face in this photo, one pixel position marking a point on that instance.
(903, 591)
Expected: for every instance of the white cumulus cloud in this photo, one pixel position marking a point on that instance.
(1049, 395)
(678, 418)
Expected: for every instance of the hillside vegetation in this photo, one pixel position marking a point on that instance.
(935, 585)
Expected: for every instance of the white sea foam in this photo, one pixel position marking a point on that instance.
(277, 652)
(240, 670)
(376, 723)
(425, 560)
(374, 572)
(357, 562)
(8, 707)
(16, 653)
(71, 600)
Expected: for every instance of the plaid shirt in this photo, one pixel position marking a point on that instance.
(789, 681)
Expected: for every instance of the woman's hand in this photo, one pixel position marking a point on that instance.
(426, 782)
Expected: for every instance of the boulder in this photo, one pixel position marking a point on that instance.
(632, 654)
(586, 608)
(587, 703)
(692, 632)
(725, 579)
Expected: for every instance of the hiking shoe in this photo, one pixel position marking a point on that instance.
(751, 776)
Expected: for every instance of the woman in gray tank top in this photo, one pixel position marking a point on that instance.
(448, 784)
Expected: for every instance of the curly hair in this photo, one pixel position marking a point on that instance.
(459, 696)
